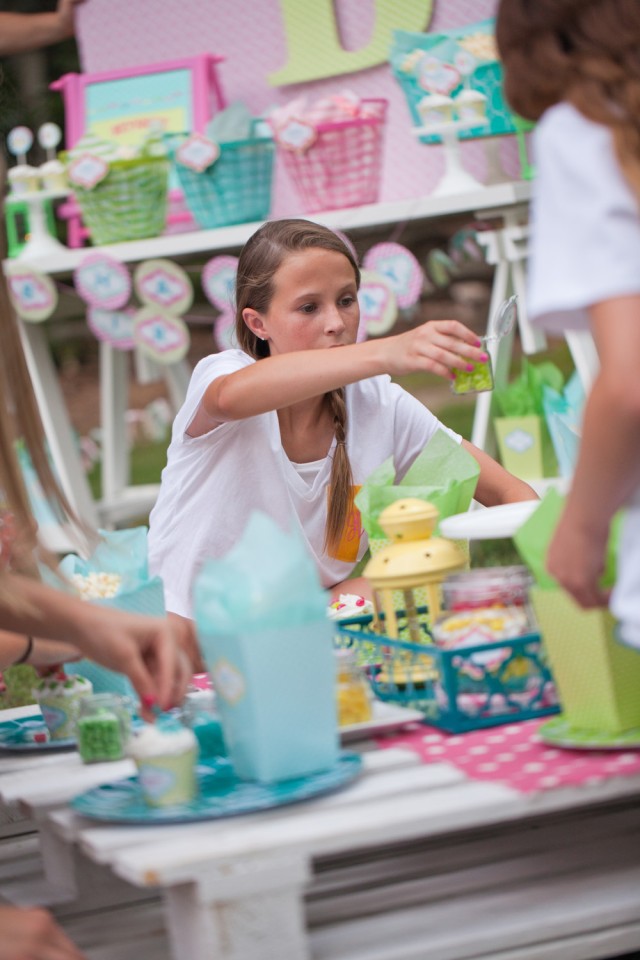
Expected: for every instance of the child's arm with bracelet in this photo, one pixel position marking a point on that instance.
(147, 649)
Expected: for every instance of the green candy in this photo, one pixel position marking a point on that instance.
(100, 737)
(473, 381)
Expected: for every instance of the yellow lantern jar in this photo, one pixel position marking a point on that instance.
(413, 560)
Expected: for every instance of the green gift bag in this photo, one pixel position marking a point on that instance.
(520, 445)
(598, 679)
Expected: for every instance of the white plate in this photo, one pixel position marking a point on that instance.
(386, 717)
(488, 523)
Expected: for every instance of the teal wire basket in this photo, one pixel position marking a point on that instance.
(234, 189)
(460, 689)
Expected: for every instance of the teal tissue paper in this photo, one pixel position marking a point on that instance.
(123, 552)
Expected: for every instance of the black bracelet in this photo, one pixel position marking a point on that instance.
(27, 653)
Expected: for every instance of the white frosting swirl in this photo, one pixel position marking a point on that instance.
(151, 741)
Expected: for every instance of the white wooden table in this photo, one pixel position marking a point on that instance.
(410, 861)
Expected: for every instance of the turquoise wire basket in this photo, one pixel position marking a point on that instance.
(460, 689)
(234, 189)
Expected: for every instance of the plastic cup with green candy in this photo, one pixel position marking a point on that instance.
(102, 727)
(479, 376)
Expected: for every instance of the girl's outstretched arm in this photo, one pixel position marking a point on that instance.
(439, 346)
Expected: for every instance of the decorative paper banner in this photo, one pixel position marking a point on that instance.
(87, 171)
(162, 283)
(440, 267)
(112, 326)
(296, 135)
(219, 281)
(401, 269)
(102, 281)
(164, 337)
(33, 295)
(197, 152)
(224, 331)
(378, 304)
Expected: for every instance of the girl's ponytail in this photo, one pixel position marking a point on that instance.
(341, 482)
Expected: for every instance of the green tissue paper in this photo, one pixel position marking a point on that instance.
(444, 474)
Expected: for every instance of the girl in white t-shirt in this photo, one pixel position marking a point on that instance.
(574, 65)
(298, 417)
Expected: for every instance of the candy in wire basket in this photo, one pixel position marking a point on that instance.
(336, 163)
(460, 689)
(130, 203)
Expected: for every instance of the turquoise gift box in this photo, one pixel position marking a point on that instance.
(262, 625)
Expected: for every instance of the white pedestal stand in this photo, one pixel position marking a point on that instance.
(40, 242)
(455, 179)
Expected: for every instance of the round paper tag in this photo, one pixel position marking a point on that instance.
(401, 269)
(296, 135)
(102, 281)
(34, 295)
(197, 153)
(219, 281)
(378, 304)
(164, 284)
(112, 326)
(159, 334)
(87, 171)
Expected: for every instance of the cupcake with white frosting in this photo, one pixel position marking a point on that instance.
(54, 175)
(58, 697)
(23, 179)
(165, 754)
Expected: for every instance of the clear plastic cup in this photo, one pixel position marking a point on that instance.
(479, 377)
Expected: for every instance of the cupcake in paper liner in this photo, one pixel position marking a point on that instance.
(54, 175)
(165, 754)
(59, 697)
(23, 179)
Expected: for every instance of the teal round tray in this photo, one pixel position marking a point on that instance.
(221, 794)
(17, 735)
(558, 732)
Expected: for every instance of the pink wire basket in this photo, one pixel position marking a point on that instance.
(343, 165)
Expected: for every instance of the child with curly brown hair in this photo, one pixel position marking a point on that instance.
(574, 66)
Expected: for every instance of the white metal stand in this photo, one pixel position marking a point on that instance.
(455, 179)
(40, 243)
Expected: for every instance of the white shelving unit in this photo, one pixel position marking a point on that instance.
(504, 204)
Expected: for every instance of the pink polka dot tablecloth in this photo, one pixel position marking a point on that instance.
(516, 756)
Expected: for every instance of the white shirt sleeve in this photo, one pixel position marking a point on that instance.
(585, 223)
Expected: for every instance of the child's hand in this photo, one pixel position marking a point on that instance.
(439, 346)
